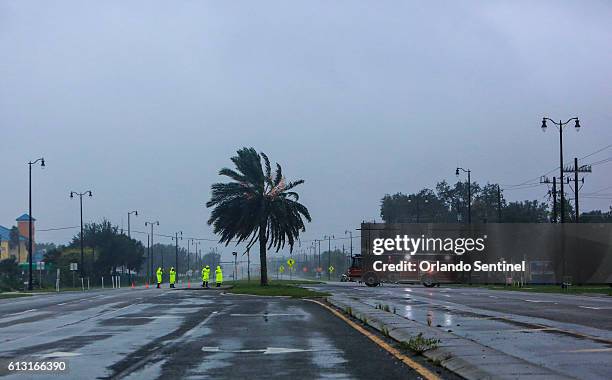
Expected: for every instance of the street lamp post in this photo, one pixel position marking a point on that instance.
(560, 126)
(129, 213)
(151, 250)
(176, 239)
(30, 245)
(351, 252)
(72, 194)
(235, 254)
(328, 255)
(469, 172)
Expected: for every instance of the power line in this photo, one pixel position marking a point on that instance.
(528, 182)
(57, 229)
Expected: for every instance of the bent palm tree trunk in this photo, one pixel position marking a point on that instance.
(262, 255)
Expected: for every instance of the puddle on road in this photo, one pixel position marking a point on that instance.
(325, 355)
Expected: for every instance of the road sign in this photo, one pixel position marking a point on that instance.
(305, 269)
(281, 269)
(74, 266)
(290, 262)
(331, 269)
(40, 265)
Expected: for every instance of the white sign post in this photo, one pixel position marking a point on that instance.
(73, 268)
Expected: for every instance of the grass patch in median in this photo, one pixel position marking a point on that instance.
(288, 288)
(13, 295)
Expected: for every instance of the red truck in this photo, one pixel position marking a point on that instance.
(361, 270)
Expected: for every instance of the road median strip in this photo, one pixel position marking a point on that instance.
(462, 356)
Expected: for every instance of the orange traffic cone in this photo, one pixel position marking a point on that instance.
(147, 285)
(189, 283)
(133, 285)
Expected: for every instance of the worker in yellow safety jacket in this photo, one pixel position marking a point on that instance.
(218, 276)
(205, 276)
(159, 273)
(172, 277)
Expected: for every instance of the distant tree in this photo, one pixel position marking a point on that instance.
(52, 255)
(485, 204)
(45, 246)
(526, 212)
(9, 274)
(109, 248)
(596, 216)
(211, 259)
(257, 206)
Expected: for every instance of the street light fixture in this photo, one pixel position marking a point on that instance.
(42, 165)
(130, 213)
(560, 126)
(469, 179)
(72, 194)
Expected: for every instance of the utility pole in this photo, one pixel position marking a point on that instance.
(148, 257)
(560, 126)
(328, 255)
(319, 261)
(498, 204)
(577, 169)
(554, 182)
(152, 245)
(188, 252)
(554, 191)
(176, 237)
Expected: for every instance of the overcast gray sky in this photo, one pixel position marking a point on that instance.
(144, 101)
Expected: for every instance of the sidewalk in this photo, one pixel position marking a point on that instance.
(462, 356)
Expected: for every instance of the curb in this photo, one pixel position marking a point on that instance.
(462, 356)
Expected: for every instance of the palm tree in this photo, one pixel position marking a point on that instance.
(256, 206)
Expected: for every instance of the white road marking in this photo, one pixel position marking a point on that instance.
(154, 317)
(59, 354)
(196, 327)
(21, 312)
(266, 351)
(493, 297)
(266, 315)
(596, 307)
(539, 301)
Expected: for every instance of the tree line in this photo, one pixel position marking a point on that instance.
(449, 204)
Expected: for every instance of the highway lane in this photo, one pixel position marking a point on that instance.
(138, 334)
(571, 334)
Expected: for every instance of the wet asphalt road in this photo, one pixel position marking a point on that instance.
(190, 334)
(569, 334)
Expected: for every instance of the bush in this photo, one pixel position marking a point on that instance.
(9, 274)
(418, 344)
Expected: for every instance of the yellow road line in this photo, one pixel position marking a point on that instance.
(420, 369)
